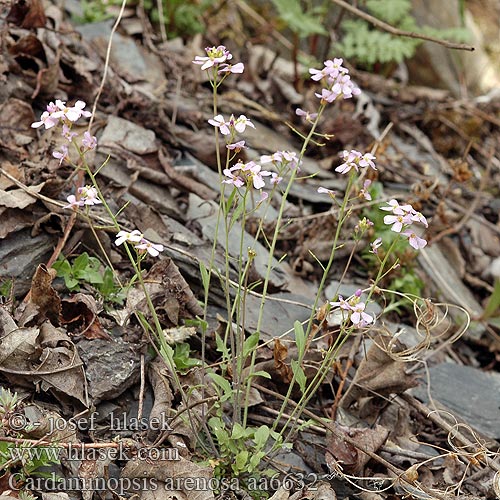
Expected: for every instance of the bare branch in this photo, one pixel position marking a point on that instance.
(395, 31)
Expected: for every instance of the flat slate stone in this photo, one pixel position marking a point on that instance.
(470, 394)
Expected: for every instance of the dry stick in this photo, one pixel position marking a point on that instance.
(395, 31)
(343, 376)
(398, 472)
(463, 440)
(141, 390)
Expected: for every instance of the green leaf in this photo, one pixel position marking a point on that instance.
(63, 267)
(240, 460)
(300, 338)
(71, 283)
(236, 213)
(205, 280)
(300, 376)
(261, 436)
(238, 431)
(391, 11)
(259, 373)
(80, 263)
(222, 383)
(255, 461)
(299, 21)
(250, 343)
(493, 302)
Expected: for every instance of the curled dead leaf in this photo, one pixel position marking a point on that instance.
(44, 296)
(351, 459)
(280, 352)
(27, 14)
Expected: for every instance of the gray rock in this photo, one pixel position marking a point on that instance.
(112, 366)
(469, 393)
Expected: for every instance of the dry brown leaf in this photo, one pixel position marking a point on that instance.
(280, 352)
(19, 198)
(378, 373)
(84, 308)
(158, 378)
(169, 291)
(175, 474)
(44, 296)
(27, 14)
(351, 459)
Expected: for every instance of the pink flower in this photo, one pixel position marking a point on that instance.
(227, 127)
(255, 173)
(351, 160)
(343, 304)
(232, 68)
(235, 180)
(364, 193)
(215, 56)
(275, 178)
(61, 155)
(237, 146)
(397, 221)
(73, 202)
(131, 237)
(89, 195)
(331, 69)
(415, 241)
(67, 134)
(308, 117)
(285, 158)
(396, 208)
(219, 122)
(89, 141)
(354, 159)
(358, 317)
(343, 85)
(366, 161)
(418, 217)
(241, 123)
(153, 249)
(327, 95)
(71, 113)
(323, 190)
(376, 245)
(47, 119)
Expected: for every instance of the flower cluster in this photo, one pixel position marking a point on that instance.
(282, 159)
(87, 196)
(216, 58)
(356, 160)
(402, 217)
(57, 112)
(243, 174)
(231, 126)
(338, 81)
(355, 310)
(136, 238)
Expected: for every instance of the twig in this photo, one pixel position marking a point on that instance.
(141, 390)
(353, 442)
(395, 31)
(463, 440)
